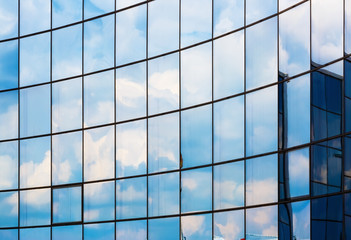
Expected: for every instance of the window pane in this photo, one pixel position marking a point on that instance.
(35, 233)
(9, 21)
(262, 180)
(262, 223)
(163, 143)
(35, 59)
(229, 225)
(11, 234)
(196, 75)
(102, 207)
(8, 115)
(261, 56)
(8, 165)
(67, 233)
(348, 26)
(35, 163)
(8, 64)
(258, 9)
(196, 21)
(94, 8)
(131, 35)
(98, 99)
(228, 117)
(283, 4)
(67, 52)
(99, 44)
(126, 3)
(35, 207)
(99, 153)
(67, 105)
(35, 111)
(197, 190)
(196, 136)
(163, 84)
(104, 231)
(34, 15)
(131, 198)
(164, 228)
(163, 27)
(8, 209)
(131, 92)
(67, 204)
(67, 158)
(131, 230)
(228, 185)
(65, 12)
(261, 121)
(197, 227)
(227, 15)
(228, 65)
(131, 148)
(163, 194)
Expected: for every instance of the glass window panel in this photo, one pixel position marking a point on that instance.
(196, 21)
(228, 65)
(9, 20)
(327, 31)
(294, 40)
(67, 204)
(99, 153)
(8, 209)
(35, 59)
(229, 225)
(227, 15)
(131, 148)
(99, 44)
(261, 57)
(131, 198)
(35, 111)
(347, 163)
(98, 99)
(163, 194)
(67, 158)
(228, 118)
(67, 232)
(102, 207)
(164, 228)
(35, 162)
(35, 207)
(65, 12)
(197, 227)
(258, 9)
(8, 115)
(94, 8)
(126, 3)
(262, 180)
(196, 75)
(8, 165)
(228, 185)
(283, 4)
(163, 143)
(163, 27)
(131, 230)
(34, 15)
(8, 64)
(131, 92)
(67, 52)
(348, 26)
(261, 121)
(196, 136)
(35, 234)
(11, 234)
(131, 35)
(261, 223)
(163, 84)
(196, 190)
(67, 105)
(104, 231)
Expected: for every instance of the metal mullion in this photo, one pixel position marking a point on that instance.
(18, 124)
(212, 131)
(179, 117)
(147, 123)
(83, 131)
(115, 119)
(244, 207)
(51, 187)
(283, 146)
(310, 142)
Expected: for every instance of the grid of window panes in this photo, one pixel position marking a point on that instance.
(175, 119)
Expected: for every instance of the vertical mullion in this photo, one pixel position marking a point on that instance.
(310, 149)
(244, 119)
(278, 155)
(83, 185)
(179, 117)
(18, 123)
(212, 105)
(147, 114)
(115, 103)
(51, 192)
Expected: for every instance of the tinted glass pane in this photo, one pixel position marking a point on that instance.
(164, 228)
(99, 153)
(35, 164)
(163, 143)
(131, 230)
(197, 227)
(283, 4)
(67, 233)
(348, 26)
(227, 15)
(9, 21)
(9, 234)
(126, 3)
(67, 204)
(102, 207)
(261, 223)
(163, 194)
(35, 59)
(8, 64)
(9, 115)
(229, 225)
(35, 234)
(104, 231)
(34, 15)
(8, 209)
(257, 9)
(65, 12)
(94, 8)
(8, 165)
(131, 198)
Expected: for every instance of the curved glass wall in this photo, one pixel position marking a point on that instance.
(175, 119)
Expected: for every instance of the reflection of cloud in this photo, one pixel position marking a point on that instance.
(130, 194)
(123, 233)
(298, 165)
(229, 191)
(8, 166)
(9, 122)
(64, 170)
(131, 94)
(262, 221)
(230, 230)
(36, 198)
(192, 224)
(263, 191)
(36, 174)
(8, 19)
(231, 15)
(35, 15)
(271, 231)
(189, 183)
(90, 215)
(12, 200)
(104, 5)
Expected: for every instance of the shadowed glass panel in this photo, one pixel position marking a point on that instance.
(9, 65)
(9, 209)
(34, 16)
(8, 165)
(67, 204)
(65, 12)
(8, 115)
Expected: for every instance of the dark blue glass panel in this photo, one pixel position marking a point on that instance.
(319, 208)
(8, 65)
(319, 124)
(334, 208)
(333, 94)
(318, 90)
(347, 78)
(347, 228)
(347, 115)
(334, 230)
(317, 234)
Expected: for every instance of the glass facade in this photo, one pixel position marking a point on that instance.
(175, 119)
